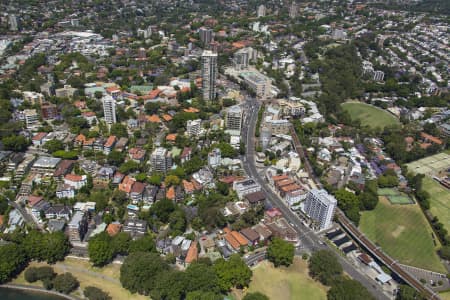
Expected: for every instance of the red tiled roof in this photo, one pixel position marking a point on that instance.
(192, 253)
(232, 241)
(39, 136)
(167, 117)
(171, 137)
(127, 184)
(73, 177)
(110, 141)
(431, 138)
(113, 229)
(154, 119)
(170, 194)
(153, 94)
(33, 200)
(240, 238)
(138, 187)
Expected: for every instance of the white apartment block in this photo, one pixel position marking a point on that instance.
(109, 109)
(246, 186)
(319, 206)
(193, 127)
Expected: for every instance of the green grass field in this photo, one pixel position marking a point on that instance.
(439, 200)
(286, 283)
(370, 115)
(403, 233)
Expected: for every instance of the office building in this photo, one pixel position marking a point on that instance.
(193, 127)
(261, 11)
(319, 206)
(233, 118)
(209, 75)
(161, 160)
(109, 109)
(206, 35)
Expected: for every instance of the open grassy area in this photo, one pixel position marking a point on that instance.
(404, 233)
(445, 295)
(286, 283)
(370, 115)
(395, 196)
(430, 165)
(439, 200)
(106, 278)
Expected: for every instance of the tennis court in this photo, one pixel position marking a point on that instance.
(431, 165)
(394, 196)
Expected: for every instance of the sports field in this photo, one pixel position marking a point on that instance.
(439, 200)
(370, 115)
(286, 283)
(430, 165)
(403, 232)
(395, 196)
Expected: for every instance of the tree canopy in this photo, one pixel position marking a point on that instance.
(280, 252)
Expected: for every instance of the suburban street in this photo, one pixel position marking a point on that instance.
(309, 241)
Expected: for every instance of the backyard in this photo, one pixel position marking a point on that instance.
(403, 232)
(370, 115)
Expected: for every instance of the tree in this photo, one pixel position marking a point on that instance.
(172, 180)
(16, 143)
(12, 260)
(100, 249)
(140, 270)
(65, 283)
(201, 277)
(93, 293)
(51, 247)
(255, 296)
(31, 274)
(115, 158)
(405, 292)
(200, 295)
(232, 273)
(144, 244)
(348, 289)
(119, 197)
(162, 209)
(169, 285)
(444, 252)
(129, 166)
(54, 145)
(324, 267)
(121, 243)
(280, 252)
(119, 130)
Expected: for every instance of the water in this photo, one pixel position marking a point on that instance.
(13, 294)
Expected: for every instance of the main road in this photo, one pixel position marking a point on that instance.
(309, 241)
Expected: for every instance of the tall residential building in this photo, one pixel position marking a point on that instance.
(193, 127)
(293, 10)
(233, 118)
(241, 59)
(261, 11)
(319, 206)
(206, 35)
(109, 109)
(161, 160)
(13, 23)
(214, 158)
(31, 118)
(209, 75)
(78, 226)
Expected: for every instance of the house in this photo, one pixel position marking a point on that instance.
(240, 238)
(38, 139)
(137, 154)
(58, 211)
(150, 193)
(127, 184)
(109, 144)
(273, 214)
(264, 233)
(75, 181)
(113, 228)
(64, 168)
(135, 228)
(186, 155)
(231, 242)
(192, 254)
(246, 186)
(251, 235)
(65, 191)
(256, 198)
(137, 192)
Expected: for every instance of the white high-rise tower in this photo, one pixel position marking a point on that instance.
(109, 109)
(209, 75)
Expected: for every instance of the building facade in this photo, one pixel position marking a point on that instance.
(209, 75)
(109, 109)
(319, 206)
